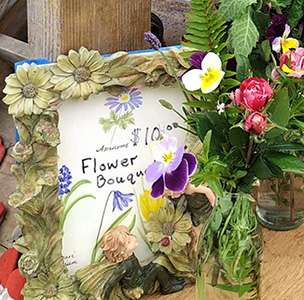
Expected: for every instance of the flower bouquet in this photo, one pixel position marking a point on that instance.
(245, 105)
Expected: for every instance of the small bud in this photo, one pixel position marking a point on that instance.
(166, 104)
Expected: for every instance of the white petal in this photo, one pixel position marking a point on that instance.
(211, 61)
(12, 80)
(286, 31)
(192, 79)
(74, 58)
(276, 44)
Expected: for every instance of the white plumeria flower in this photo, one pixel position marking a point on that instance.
(220, 108)
(286, 43)
(208, 77)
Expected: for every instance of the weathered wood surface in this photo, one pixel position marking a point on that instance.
(107, 26)
(14, 50)
(14, 22)
(5, 6)
(282, 269)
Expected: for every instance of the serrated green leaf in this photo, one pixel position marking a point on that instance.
(233, 9)
(244, 34)
(295, 13)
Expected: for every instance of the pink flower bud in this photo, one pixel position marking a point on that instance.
(254, 93)
(256, 123)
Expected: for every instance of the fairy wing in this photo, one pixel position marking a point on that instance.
(93, 278)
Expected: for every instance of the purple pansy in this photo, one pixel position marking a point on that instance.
(129, 98)
(121, 200)
(276, 28)
(171, 167)
(64, 179)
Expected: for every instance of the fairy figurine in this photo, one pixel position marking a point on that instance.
(120, 275)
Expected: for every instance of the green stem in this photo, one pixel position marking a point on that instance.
(184, 128)
(74, 187)
(66, 211)
(249, 151)
(179, 114)
(174, 74)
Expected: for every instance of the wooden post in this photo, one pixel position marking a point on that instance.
(108, 26)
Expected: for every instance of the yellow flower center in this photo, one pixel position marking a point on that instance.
(124, 98)
(30, 90)
(210, 76)
(82, 74)
(168, 157)
(50, 290)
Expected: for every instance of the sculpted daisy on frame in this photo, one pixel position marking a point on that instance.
(78, 74)
(28, 90)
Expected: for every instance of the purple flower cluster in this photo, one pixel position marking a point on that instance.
(152, 40)
(64, 179)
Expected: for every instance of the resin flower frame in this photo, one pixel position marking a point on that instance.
(33, 95)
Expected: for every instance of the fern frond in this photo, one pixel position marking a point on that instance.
(205, 28)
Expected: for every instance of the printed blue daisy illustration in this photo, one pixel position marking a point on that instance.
(127, 99)
(121, 200)
(121, 110)
(64, 179)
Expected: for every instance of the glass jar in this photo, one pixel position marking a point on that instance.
(281, 202)
(230, 252)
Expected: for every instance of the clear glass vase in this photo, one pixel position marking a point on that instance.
(230, 252)
(281, 202)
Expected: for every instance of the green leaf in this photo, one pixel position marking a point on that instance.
(278, 112)
(206, 144)
(200, 104)
(217, 221)
(261, 22)
(287, 162)
(283, 147)
(265, 50)
(258, 65)
(233, 9)
(239, 137)
(205, 29)
(242, 67)
(264, 170)
(244, 34)
(295, 13)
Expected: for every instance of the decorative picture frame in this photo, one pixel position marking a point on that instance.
(34, 94)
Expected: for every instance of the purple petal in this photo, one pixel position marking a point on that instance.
(197, 58)
(158, 188)
(154, 171)
(177, 180)
(178, 156)
(192, 162)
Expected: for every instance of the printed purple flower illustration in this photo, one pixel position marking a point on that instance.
(171, 168)
(121, 200)
(64, 179)
(127, 99)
